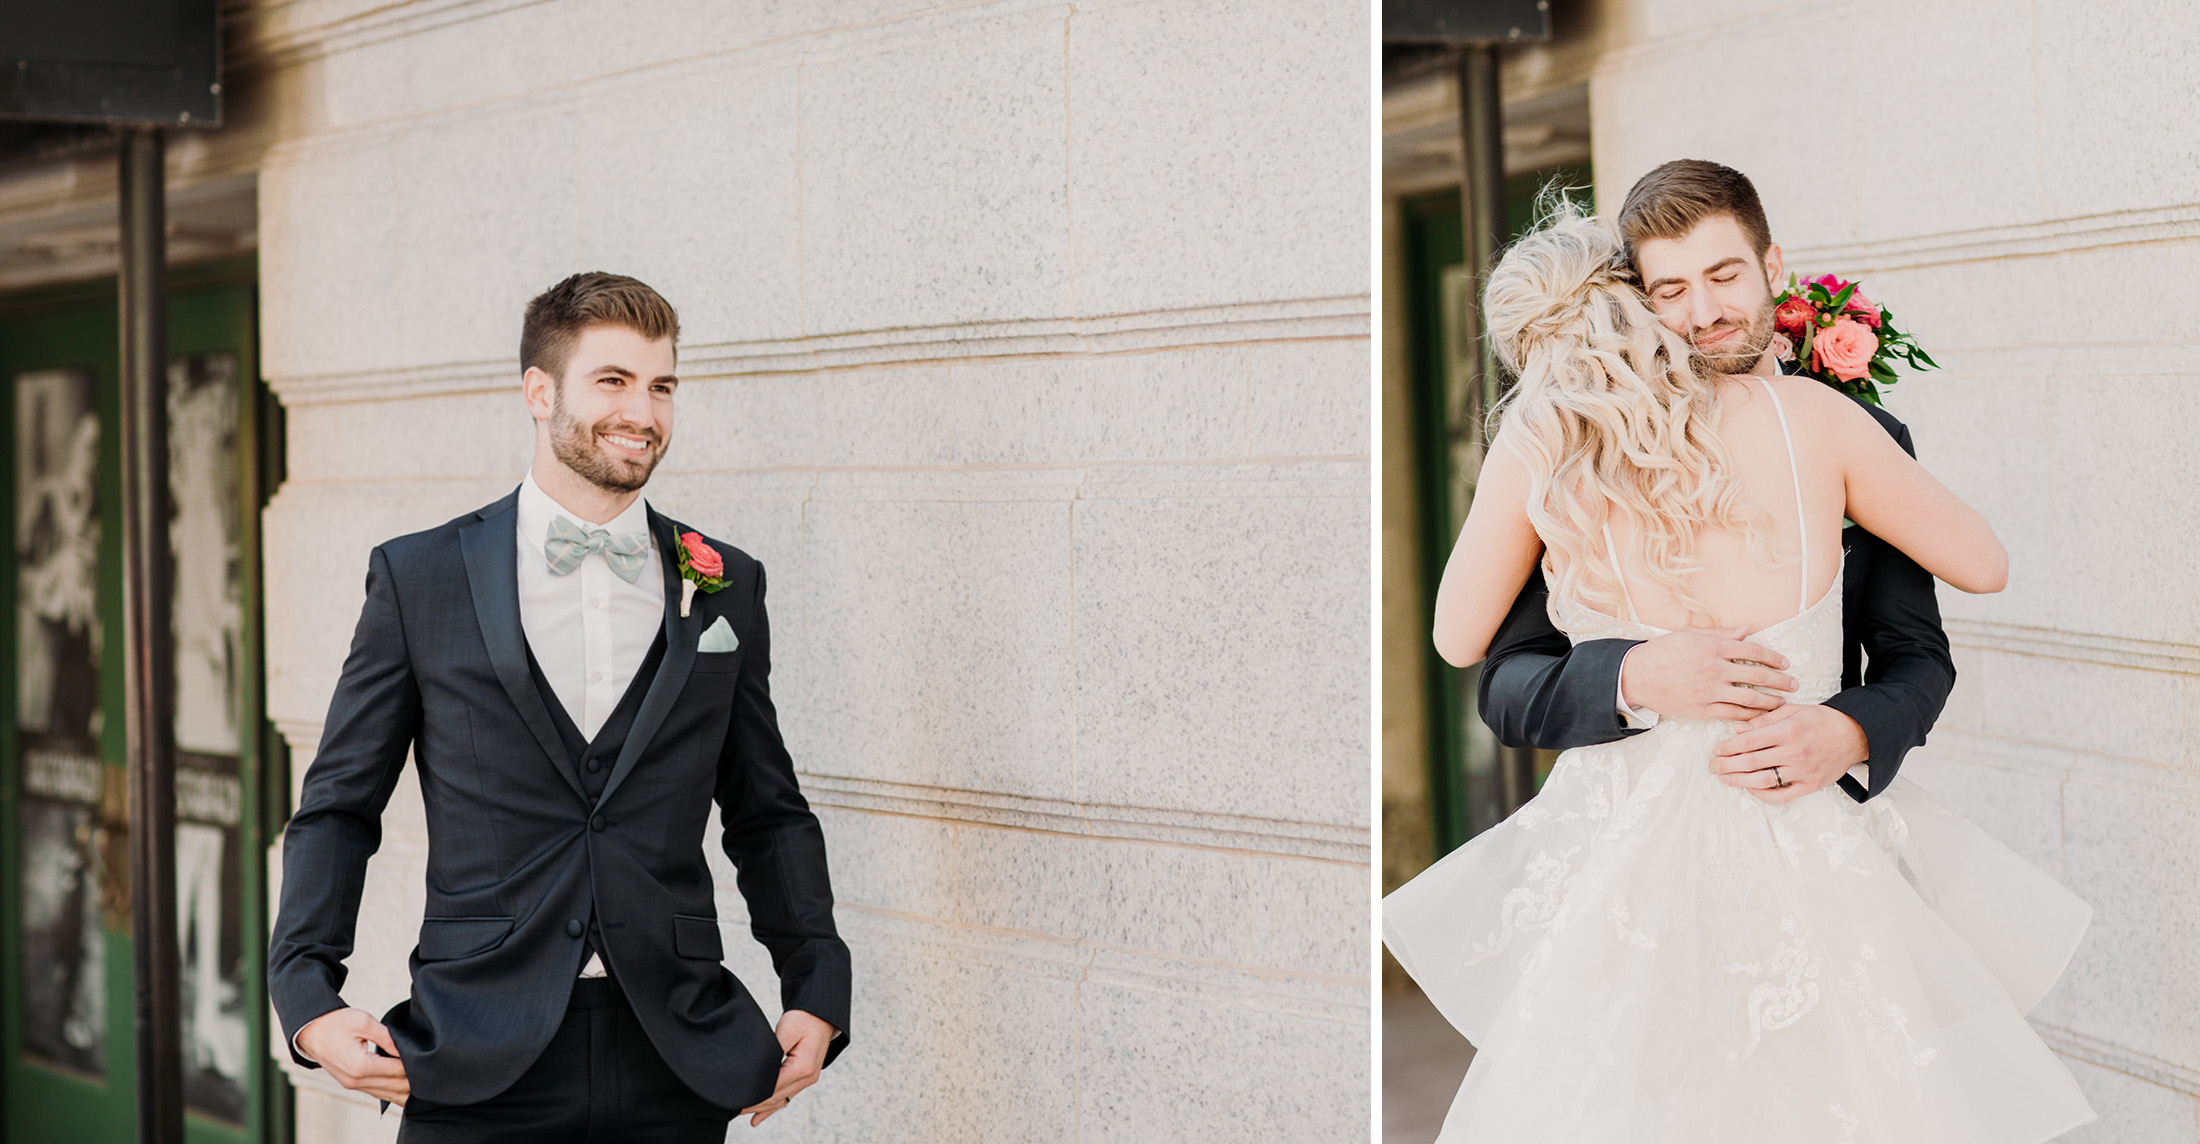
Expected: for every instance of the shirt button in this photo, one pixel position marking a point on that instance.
(596, 823)
(573, 928)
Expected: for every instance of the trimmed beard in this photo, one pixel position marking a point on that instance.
(1756, 341)
(575, 446)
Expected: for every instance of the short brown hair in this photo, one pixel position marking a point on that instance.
(556, 317)
(1670, 200)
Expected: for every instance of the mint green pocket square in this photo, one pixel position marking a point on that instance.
(719, 637)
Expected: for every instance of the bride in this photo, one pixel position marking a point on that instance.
(1646, 953)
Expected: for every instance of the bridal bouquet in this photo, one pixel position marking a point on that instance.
(1842, 338)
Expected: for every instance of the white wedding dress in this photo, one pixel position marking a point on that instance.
(1645, 954)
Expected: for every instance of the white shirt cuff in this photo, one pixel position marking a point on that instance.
(1633, 718)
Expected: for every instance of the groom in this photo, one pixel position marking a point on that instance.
(1704, 255)
(575, 678)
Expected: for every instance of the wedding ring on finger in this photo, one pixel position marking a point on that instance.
(1777, 781)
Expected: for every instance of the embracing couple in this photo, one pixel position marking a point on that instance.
(576, 679)
(1726, 917)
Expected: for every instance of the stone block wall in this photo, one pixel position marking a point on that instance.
(2019, 187)
(1026, 344)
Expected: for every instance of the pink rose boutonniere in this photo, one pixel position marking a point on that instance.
(700, 567)
(1845, 339)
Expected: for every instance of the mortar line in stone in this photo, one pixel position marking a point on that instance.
(1196, 847)
(1011, 466)
(467, 377)
(823, 796)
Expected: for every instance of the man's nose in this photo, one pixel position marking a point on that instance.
(1703, 309)
(636, 408)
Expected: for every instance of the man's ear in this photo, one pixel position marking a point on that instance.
(1775, 268)
(540, 390)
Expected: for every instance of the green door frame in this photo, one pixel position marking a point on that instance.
(1464, 784)
(211, 308)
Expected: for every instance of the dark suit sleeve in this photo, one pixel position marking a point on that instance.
(1539, 690)
(778, 849)
(1909, 671)
(373, 720)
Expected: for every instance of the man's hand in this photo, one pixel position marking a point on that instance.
(1694, 674)
(343, 1041)
(803, 1038)
(1812, 745)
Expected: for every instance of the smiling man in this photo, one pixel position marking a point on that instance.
(1703, 251)
(572, 709)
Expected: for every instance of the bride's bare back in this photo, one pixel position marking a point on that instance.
(1741, 588)
(1847, 465)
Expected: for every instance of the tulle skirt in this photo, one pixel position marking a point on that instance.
(1644, 954)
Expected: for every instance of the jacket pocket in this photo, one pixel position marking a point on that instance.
(697, 937)
(715, 662)
(445, 939)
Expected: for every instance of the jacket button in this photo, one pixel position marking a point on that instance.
(573, 928)
(595, 765)
(596, 823)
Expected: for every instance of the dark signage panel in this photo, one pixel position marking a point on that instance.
(148, 62)
(1468, 21)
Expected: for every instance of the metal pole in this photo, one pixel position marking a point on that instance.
(148, 577)
(1482, 209)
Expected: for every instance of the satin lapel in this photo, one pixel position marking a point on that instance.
(681, 634)
(491, 548)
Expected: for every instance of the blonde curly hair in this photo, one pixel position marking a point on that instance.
(1611, 414)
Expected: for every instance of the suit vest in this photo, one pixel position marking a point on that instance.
(592, 759)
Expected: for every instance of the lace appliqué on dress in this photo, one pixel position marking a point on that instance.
(1790, 995)
(1531, 907)
(1886, 1025)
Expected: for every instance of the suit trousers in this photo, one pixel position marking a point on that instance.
(599, 1080)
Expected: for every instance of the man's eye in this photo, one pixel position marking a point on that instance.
(1724, 280)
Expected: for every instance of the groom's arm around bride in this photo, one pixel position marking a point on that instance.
(1702, 226)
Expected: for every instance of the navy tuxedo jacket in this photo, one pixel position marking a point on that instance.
(1538, 690)
(522, 862)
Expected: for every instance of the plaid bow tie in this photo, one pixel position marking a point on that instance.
(568, 545)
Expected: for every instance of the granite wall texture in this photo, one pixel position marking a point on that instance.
(1027, 345)
(2020, 187)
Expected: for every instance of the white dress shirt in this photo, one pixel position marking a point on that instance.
(589, 629)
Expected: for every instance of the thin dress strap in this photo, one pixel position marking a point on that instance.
(1795, 477)
(1611, 552)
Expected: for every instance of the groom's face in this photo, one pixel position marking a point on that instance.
(1713, 287)
(610, 415)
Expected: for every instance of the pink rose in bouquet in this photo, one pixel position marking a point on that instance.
(1845, 350)
(1863, 309)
